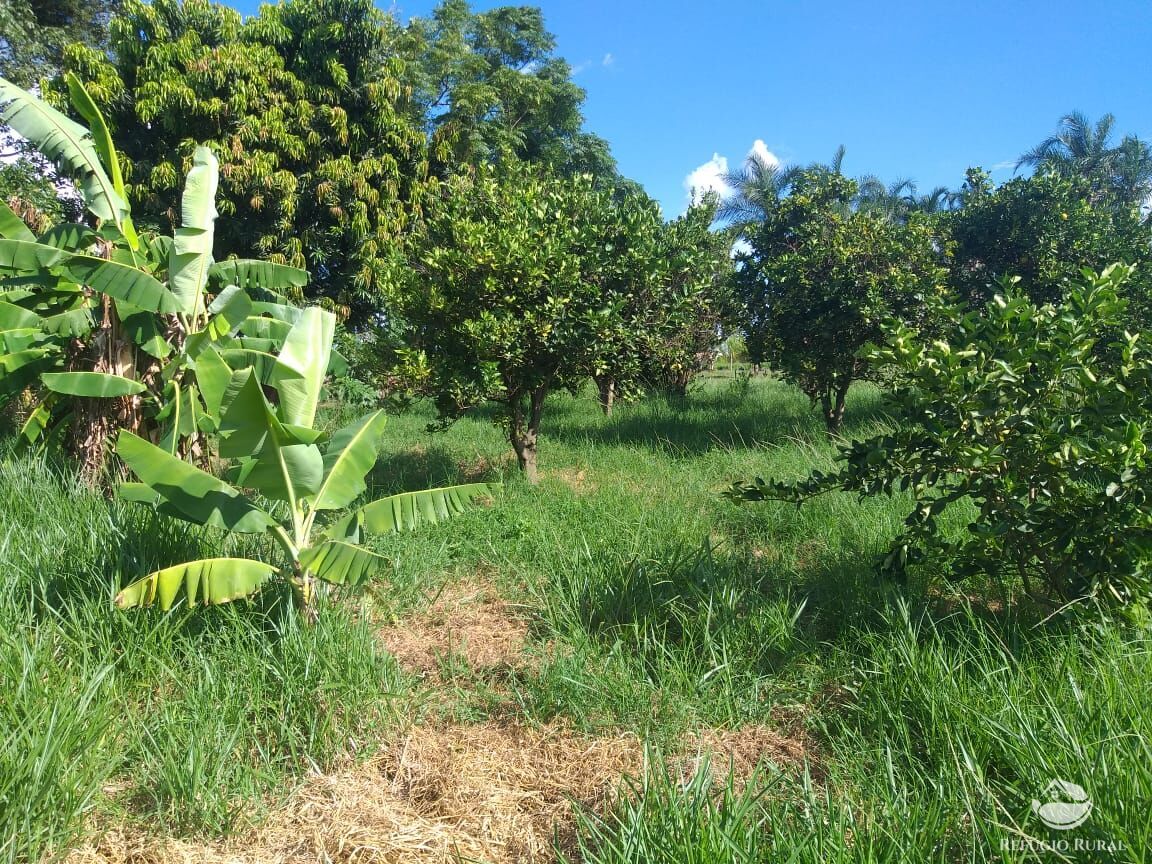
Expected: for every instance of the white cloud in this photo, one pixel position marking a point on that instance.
(760, 150)
(709, 177)
(608, 60)
(706, 178)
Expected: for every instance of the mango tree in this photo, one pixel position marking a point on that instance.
(276, 452)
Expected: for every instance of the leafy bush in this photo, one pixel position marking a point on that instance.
(1038, 416)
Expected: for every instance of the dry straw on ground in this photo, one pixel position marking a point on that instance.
(497, 792)
(489, 793)
(468, 622)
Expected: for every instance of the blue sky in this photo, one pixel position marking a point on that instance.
(911, 89)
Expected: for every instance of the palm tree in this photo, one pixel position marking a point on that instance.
(1083, 149)
(759, 184)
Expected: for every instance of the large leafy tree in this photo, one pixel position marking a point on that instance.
(819, 280)
(1043, 230)
(512, 295)
(1081, 149)
(35, 33)
(321, 163)
(490, 87)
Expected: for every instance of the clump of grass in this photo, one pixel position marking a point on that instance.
(192, 718)
(661, 819)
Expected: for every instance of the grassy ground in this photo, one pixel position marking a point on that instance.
(622, 600)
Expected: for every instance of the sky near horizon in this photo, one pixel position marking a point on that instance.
(918, 90)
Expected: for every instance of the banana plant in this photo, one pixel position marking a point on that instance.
(278, 455)
(102, 312)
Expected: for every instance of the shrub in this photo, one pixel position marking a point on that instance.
(1036, 416)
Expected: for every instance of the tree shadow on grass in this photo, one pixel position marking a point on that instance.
(766, 618)
(706, 421)
(428, 467)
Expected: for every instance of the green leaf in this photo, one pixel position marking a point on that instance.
(229, 310)
(38, 420)
(144, 329)
(247, 422)
(12, 341)
(263, 365)
(274, 462)
(122, 282)
(12, 227)
(66, 143)
(411, 510)
(303, 365)
(213, 375)
(347, 461)
(102, 141)
(191, 255)
(197, 495)
(274, 329)
(14, 317)
(289, 472)
(10, 363)
(69, 237)
(209, 581)
(256, 276)
(341, 563)
(24, 256)
(96, 385)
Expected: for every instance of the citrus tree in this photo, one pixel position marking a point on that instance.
(1035, 420)
(506, 298)
(819, 280)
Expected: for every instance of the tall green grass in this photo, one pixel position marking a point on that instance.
(933, 715)
(188, 720)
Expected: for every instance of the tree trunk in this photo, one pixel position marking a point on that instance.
(832, 403)
(606, 385)
(525, 431)
(96, 421)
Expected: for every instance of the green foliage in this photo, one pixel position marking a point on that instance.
(1034, 417)
(34, 34)
(32, 195)
(322, 164)
(523, 282)
(489, 87)
(665, 819)
(504, 300)
(675, 278)
(819, 280)
(275, 452)
(1042, 229)
(103, 314)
